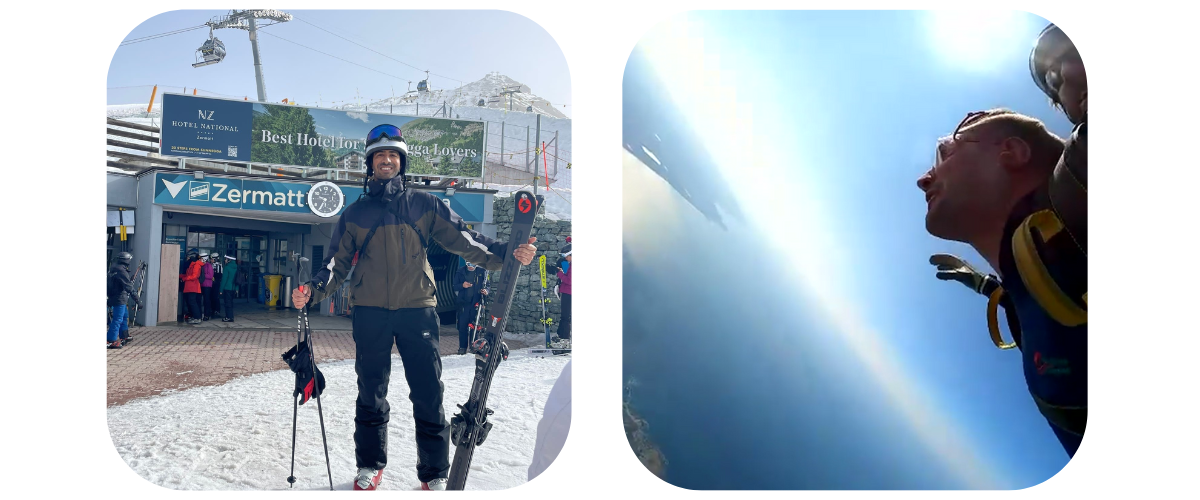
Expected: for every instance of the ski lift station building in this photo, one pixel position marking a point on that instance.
(268, 217)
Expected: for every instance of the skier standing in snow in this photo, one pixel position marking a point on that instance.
(392, 292)
(120, 290)
(564, 288)
(469, 280)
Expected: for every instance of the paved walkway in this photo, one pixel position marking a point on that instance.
(256, 316)
(162, 359)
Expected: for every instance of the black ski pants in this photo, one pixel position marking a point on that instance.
(414, 332)
(227, 307)
(564, 323)
(206, 301)
(466, 316)
(194, 309)
(215, 294)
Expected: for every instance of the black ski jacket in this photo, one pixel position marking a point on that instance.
(120, 285)
(393, 271)
(468, 296)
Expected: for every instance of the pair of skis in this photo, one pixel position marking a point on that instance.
(546, 319)
(139, 277)
(469, 427)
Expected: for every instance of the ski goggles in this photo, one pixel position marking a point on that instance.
(383, 132)
(1045, 62)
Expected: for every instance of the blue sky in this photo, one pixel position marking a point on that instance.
(463, 45)
(829, 118)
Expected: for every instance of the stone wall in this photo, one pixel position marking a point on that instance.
(525, 314)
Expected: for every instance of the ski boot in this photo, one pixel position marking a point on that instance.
(367, 479)
(438, 484)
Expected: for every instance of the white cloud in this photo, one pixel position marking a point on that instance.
(357, 116)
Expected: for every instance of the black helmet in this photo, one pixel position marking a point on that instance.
(386, 137)
(192, 252)
(1044, 53)
(566, 250)
(124, 257)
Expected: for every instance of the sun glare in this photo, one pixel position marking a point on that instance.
(790, 210)
(977, 40)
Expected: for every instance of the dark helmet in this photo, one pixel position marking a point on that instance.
(124, 258)
(566, 250)
(1045, 52)
(193, 253)
(385, 137)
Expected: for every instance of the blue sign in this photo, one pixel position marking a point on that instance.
(276, 196)
(212, 129)
(468, 206)
(243, 194)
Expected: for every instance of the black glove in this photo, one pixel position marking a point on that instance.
(951, 268)
(299, 359)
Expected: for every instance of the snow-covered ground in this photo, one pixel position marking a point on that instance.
(237, 436)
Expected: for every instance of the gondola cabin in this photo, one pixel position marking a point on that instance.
(212, 51)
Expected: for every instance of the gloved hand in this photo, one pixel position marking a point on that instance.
(951, 268)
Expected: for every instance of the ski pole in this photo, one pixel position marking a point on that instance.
(295, 409)
(320, 413)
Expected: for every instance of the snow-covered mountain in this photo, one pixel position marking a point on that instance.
(488, 89)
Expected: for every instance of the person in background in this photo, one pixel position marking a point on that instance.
(471, 290)
(191, 287)
(564, 287)
(206, 281)
(218, 265)
(120, 290)
(228, 278)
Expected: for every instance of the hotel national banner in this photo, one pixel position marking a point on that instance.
(289, 135)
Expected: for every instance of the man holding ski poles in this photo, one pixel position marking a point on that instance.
(471, 290)
(392, 291)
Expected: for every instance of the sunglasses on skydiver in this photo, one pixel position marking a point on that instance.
(945, 145)
(384, 132)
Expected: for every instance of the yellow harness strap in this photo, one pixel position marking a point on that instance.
(994, 321)
(1033, 271)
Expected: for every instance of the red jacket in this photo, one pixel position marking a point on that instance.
(191, 280)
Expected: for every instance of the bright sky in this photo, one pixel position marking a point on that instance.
(460, 46)
(836, 114)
